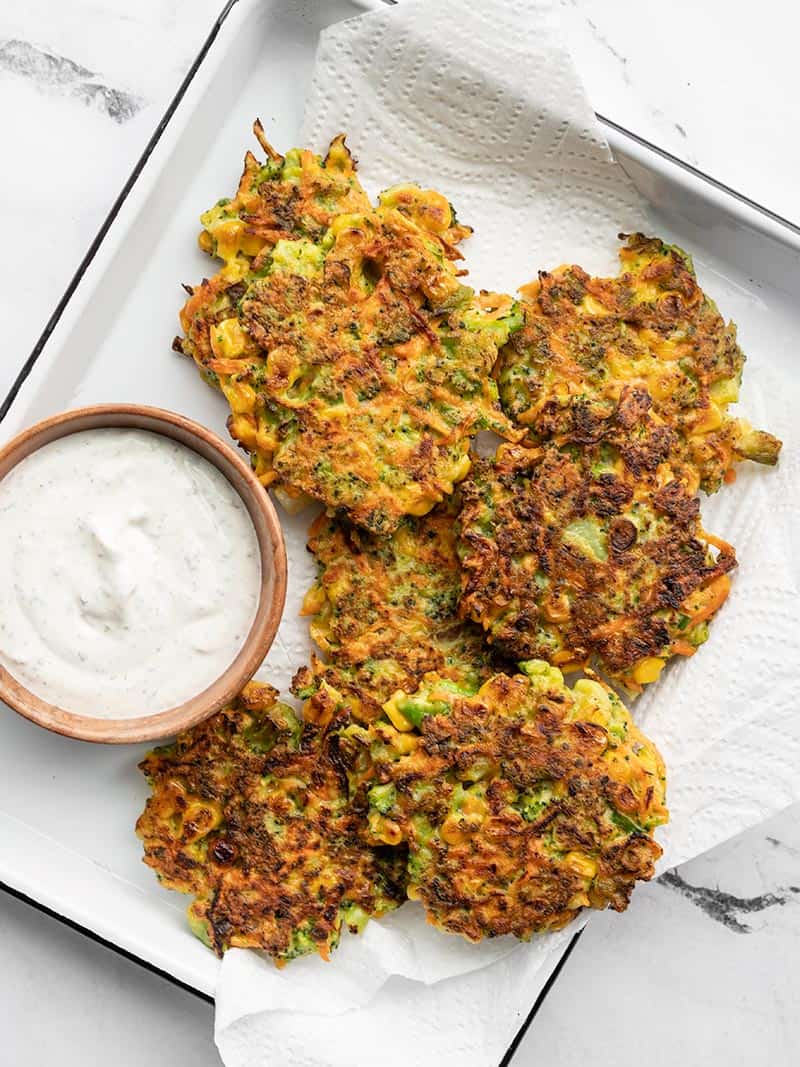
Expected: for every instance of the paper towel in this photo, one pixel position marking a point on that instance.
(483, 103)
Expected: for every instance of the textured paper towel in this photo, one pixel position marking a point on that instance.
(482, 102)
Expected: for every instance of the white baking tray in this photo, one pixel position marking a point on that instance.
(67, 809)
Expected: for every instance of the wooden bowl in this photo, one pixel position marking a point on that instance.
(273, 575)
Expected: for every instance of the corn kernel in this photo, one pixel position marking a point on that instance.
(390, 832)
(660, 386)
(460, 469)
(313, 601)
(241, 397)
(579, 900)
(251, 244)
(228, 339)
(404, 743)
(581, 864)
(243, 429)
(228, 235)
(235, 269)
(199, 818)
(473, 805)
(648, 670)
(451, 831)
(418, 503)
(393, 713)
(710, 420)
(725, 391)
(619, 366)
(571, 666)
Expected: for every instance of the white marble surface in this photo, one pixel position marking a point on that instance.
(716, 83)
(702, 968)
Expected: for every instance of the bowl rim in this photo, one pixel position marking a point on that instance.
(272, 592)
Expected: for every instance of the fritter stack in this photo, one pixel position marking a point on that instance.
(586, 546)
(441, 756)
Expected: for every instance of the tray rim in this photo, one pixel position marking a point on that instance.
(743, 209)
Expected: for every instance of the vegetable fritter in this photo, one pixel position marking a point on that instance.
(592, 554)
(584, 339)
(250, 814)
(376, 373)
(296, 195)
(356, 365)
(385, 611)
(521, 804)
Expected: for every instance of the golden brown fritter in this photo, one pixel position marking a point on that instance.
(374, 372)
(356, 364)
(584, 339)
(296, 195)
(250, 813)
(521, 804)
(385, 611)
(592, 554)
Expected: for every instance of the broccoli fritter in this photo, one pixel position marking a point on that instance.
(356, 364)
(592, 554)
(250, 814)
(296, 195)
(521, 804)
(584, 339)
(385, 611)
(291, 196)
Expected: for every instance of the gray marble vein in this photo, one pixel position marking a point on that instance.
(724, 907)
(54, 73)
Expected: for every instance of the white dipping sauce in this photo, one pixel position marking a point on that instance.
(129, 573)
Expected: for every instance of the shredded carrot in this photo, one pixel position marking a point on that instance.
(717, 542)
(711, 599)
(683, 648)
(261, 137)
(729, 477)
(531, 290)
(317, 524)
(613, 627)
(564, 656)
(572, 667)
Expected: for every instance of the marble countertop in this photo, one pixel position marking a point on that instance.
(702, 968)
